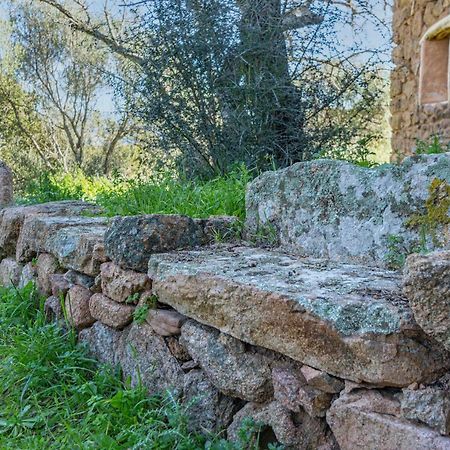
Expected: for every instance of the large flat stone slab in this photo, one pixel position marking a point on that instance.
(38, 232)
(337, 210)
(348, 320)
(12, 219)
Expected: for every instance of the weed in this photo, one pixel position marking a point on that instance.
(431, 147)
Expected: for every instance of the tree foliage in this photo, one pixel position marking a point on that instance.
(262, 82)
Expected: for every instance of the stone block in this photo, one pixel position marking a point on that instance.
(350, 321)
(229, 367)
(115, 315)
(120, 284)
(10, 272)
(77, 307)
(130, 241)
(427, 286)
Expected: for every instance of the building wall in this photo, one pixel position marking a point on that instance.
(410, 120)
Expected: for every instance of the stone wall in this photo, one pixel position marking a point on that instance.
(325, 354)
(410, 120)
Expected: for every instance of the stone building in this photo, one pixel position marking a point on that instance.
(420, 81)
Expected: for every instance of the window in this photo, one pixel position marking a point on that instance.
(434, 64)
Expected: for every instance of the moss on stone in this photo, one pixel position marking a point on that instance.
(437, 208)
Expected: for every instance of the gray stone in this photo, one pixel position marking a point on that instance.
(293, 392)
(427, 286)
(28, 275)
(367, 420)
(281, 426)
(59, 284)
(144, 357)
(10, 272)
(230, 368)
(208, 410)
(130, 241)
(337, 210)
(39, 232)
(12, 219)
(6, 185)
(103, 342)
(46, 266)
(79, 247)
(53, 309)
(350, 321)
(430, 406)
(74, 277)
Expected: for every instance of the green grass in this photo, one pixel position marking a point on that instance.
(54, 396)
(163, 194)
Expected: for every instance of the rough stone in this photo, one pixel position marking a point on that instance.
(144, 356)
(28, 275)
(111, 313)
(74, 277)
(39, 232)
(103, 342)
(281, 426)
(46, 266)
(367, 420)
(177, 349)
(427, 286)
(130, 241)
(321, 380)
(430, 406)
(165, 322)
(79, 247)
(292, 391)
(77, 307)
(341, 211)
(230, 368)
(12, 219)
(209, 411)
(59, 284)
(6, 185)
(53, 309)
(10, 272)
(119, 284)
(350, 321)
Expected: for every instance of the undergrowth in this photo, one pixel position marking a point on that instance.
(54, 396)
(162, 194)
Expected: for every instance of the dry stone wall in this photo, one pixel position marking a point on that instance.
(410, 120)
(325, 354)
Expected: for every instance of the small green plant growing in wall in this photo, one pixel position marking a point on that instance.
(436, 213)
(141, 312)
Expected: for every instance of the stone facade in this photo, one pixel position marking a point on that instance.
(412, 120)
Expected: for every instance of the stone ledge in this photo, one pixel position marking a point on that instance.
(348, 320)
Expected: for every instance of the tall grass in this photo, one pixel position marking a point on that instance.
(164, 194)
(53, 396)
